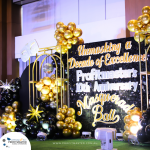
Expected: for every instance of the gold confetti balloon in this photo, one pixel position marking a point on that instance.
(60, 116)
(145, 18)
(59, 124)
(67, 132)
(77, 125)
(146, 10)
(71, 26)
(62, 28)
(68, 34)
(136, 37)
(131, 25)
(59, 24)
(70, 112)
(77, 32)
(76, 133)
(45, 97)
(59, 37)
(8, 109)
(15, 104)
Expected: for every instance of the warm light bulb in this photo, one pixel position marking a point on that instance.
(134, 129)
(135, 118)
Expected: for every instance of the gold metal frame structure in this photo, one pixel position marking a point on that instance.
(146, 72)
(63, 80)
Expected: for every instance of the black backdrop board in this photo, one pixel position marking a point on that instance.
(120, 78)
(24, 91)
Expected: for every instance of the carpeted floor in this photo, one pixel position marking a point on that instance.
(79, 144)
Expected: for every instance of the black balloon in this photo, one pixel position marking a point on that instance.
(18, 129)
(42, 104)
(3, 105)
(148, 111)
(47, 105)
(18, 116)
(24, 129)
(141, 136)
(41, 130)
(146, 116)
(3, 98)
(15, 96)
(51, 131)
(144, 123)
(33, 125)
(33, 133)
(11, 100)
(9, 104)
(42, 120)
(18, 87)
(42, 108)
(52, 122)
(58, 134)
(17, 81)
(43, 114)
(9, 96)
(38, 100)
(147, 130)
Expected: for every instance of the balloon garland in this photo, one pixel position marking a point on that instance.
(142, 24)
(9, 103)
(131, 122)
(67, 36)
(66, 122)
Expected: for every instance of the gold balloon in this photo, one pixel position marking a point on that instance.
(74, 117)
(51, 94)
(64, 42)
(69, 41)
(68, 34)
(145, 18)
(45, 97)
(146, 10)
(72, 120)
(75, 40)
(45, 90)
(139, 24)
(62, 28)
(148, 27)
(137, 109)
(62, 50)
(57, 31)
(132, 127)
(70, 112)
(144, 26)
(47, 80)
(65, 126)
(4, 119)
(63, 111)
(15, 110)
(127, 119)
(70, 126)
(148, 40)
(59, 124)
(12, 115)
(140, 18)
(136, 37)
(77, 32)
(15, 104)
(71, 26)
(12, 129)
(127, 126)
(59, 24)
(125, 136)
(39, 85)
(60, 116)
(51, 99)
(60, 37)
(65, 107)
(69, 46)
(9, 126)
(67, 120)
(59, 110)
(137, 30)
(5, 115)
(129, 112)
(76, 133)
(135, 113)
(143, 29)
(56, 90)
(81, 41)
(131, 25)
(8, 109)
(66, 132)
(58, 81)
(77, 125)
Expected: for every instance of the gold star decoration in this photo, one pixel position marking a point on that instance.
(34, 112)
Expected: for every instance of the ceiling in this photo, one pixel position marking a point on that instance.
(23, 2)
